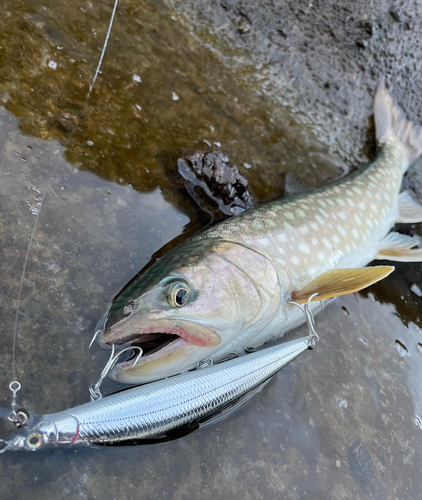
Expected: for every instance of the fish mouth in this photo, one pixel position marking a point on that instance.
(168, 347)
(151, 343)
(156, 330)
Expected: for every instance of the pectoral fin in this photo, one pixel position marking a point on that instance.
(293, 184)
(409, 210)
(341, 282)
(399, 247)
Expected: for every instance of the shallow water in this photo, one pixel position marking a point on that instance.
(343, 421)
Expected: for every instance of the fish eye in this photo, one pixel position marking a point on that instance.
(179, 295)
(34, 441)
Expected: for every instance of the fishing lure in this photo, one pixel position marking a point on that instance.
(155, 411)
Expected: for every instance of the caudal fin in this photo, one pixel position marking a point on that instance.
(391, 124)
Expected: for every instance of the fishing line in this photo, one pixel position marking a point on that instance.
(15, 385)
(15, 330)
(104, 49)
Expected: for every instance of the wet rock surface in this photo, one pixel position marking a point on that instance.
(282, 87)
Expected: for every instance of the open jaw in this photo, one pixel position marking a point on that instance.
(169, 347)
(152, 342)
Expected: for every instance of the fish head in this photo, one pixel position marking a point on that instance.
(187, 306)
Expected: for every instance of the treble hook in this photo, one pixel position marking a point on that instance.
(94, 389)
(310, 320)
(94, 337)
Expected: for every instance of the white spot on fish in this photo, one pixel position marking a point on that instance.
(303, 247)
(304, 229)
(321, 256)
(350, 202)
(282, 237)
(357, 219)
(341, 202)
(331, 202)
(300, 212)
(295, 260)
(341, 229)
(335, 239)
(342, 215)
(357, 190)
(271, 223)
(287, 226)
(314, 241)
(322, 203)
(355, 233)
(289, 215)
(326, 242)
(315, 226)
(362, 205)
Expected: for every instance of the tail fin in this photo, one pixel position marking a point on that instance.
(391, 125)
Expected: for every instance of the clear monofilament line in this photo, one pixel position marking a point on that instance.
(97, 71)
(15, 329)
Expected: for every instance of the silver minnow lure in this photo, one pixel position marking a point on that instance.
(153, 410)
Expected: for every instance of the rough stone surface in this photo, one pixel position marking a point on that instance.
(216, 185)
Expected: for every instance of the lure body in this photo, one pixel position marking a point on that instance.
(153, 410)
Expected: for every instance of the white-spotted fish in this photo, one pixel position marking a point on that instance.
(231, 287)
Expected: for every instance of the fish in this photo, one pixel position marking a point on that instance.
(233, 286)
(160, 410)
